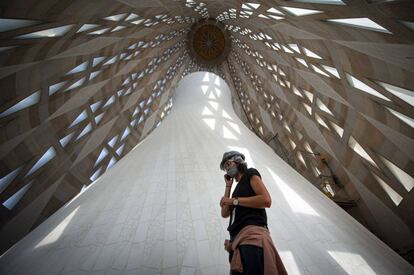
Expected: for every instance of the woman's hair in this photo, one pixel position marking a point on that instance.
(242, 167)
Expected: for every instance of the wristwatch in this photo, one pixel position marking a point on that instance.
(236, 201)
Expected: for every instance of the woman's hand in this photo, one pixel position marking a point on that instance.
(226, 201)
(227, 245)
(229, 181)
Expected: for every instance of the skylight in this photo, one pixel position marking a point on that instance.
(408, 24)
(323, 107)
(131, 17)
(117, 17)
(95, 175)
(79, 68)
(118, 28)
(64, 141)
(296, 91)
(300, 157)
(250, 6)
(406, 119)
(80, 118)
(294, 47)
(321, 121)
(87, 27)
(354, 82)
(405, 179)
(333, 2)
(11, 202)
(47, 156)
(308, 108)
(319, 71)
(309, 95)
(125, 134)
(27, 102)
(302, 61)
(311, 54)
(300, 11)
(76, 84)
(292, 144)
(110, 101)
(101, 156)
(275, 11)
(85, 130)
(394, 196)
(7, 179)
(54, 88)
(113, 141)
(120, 150)
(359, 150)
(364, 23)
(97, 60)
(338, 129)
(101, 31)
(98, 118)
(11, 24)
(406, 95)
(331, 70)
(111, 163)
(54, 32)
(2, 49)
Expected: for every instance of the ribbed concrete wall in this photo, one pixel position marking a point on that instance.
(157, 210)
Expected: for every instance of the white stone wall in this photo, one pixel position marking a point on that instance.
(157, 210)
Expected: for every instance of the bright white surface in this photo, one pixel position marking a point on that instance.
(157, 209)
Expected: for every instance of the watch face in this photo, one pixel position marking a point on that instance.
(236, 202)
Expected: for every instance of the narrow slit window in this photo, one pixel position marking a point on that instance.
(394, 196)
(54, 32)
(405, 179)
(363, 23)
(23, 104)
(85, 130)
(312, 54)
(99, 117)
(331, 70)
(358, 84)
(300, 12)
(323, 107)
(7, 179)
(79, 68)
(101, 156)
(404, 118)
(64, 141)
(360, 151)
(7, 24)
(11, 202)
(338, 129)
(47, 156)
(79, 118)
(406, 95)
(87, 27)
(96, 175)
(54, 88)
(117, 17)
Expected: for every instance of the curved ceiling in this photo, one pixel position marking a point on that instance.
(327, 84)
(209, 42)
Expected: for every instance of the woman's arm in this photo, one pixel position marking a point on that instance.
(225, 209)
(261, 200)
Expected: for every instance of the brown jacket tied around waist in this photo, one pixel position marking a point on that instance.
(258, 236)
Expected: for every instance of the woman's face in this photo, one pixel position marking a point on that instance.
(228, 164)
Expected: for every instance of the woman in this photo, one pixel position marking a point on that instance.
(251, 249)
